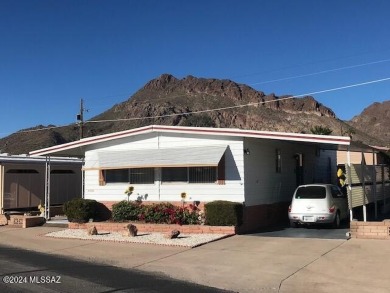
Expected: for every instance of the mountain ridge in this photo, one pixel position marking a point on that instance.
(207, 102)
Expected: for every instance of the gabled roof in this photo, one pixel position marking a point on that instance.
(77, 147)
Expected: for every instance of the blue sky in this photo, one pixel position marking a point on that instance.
(53, 53)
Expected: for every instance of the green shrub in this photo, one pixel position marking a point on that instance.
(185, 216)
(223, 213)
(167, 213)
(163, 213)
(80, 210)
(126, 211)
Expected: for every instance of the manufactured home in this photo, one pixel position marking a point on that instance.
(25, 180)
(258, 168)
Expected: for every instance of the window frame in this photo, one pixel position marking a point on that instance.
(130, 180)
(217, 175)
(189, 175)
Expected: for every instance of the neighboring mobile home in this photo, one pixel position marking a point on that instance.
(24, 181)
(368, 173)
(258, 168)
(373, 155)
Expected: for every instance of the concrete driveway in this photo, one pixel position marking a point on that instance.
(318, 232)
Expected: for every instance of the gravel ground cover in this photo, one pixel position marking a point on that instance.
(186, 240)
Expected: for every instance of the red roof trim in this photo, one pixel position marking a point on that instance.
(244, 133)
(90, 140)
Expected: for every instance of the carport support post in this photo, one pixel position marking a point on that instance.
(83, 179)
(374, 183)
(1, 189)
(364, 188)
(47, 189)
(349, 184)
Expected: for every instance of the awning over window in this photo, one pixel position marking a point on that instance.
(172, 157)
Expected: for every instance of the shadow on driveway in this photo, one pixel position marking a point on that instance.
(312, 231)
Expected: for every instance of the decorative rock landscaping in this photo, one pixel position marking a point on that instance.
(184, 240)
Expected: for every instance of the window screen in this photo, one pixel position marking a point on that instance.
(203, 174)
(142, 176)
(178, 174)
(116, 176)
(132, 176)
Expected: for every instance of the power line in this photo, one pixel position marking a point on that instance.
(244, 105)
(344, 87)
(219, 109)
(321, 72)
(313, 63)
(280, 79)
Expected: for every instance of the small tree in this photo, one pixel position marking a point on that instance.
(321, 130)
(348, 132)
(198, 120)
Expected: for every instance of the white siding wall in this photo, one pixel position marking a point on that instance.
(263, 185)
(232, 190)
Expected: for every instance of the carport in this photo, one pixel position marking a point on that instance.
(367, 180)
(26, 182)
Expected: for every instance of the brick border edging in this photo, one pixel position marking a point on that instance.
(163, 228)
(22, 221)
(370, 230)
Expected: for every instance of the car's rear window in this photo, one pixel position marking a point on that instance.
(311, 192)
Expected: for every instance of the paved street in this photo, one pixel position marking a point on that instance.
(242, 263)
(29, 271)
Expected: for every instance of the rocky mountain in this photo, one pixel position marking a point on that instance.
(168, 100)
(375, 120)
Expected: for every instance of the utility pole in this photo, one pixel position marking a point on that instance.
(80, 118)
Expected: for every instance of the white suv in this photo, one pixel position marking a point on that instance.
(318, 204)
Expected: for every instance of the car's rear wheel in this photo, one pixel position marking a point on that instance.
(293, 224)
(336, 222)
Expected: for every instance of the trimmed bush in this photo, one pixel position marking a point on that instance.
(224, 213)
(126, 211)
(80, 210)
(163, 213)
(167, 213)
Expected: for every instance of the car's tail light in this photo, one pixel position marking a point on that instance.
(289, 209)
(332, 209)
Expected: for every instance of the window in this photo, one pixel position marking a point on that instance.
(336, 192)
(116, 176)
(178, 174)
(190, 174)
(142, 175)
(62, 172)
(203, 174)
(278, 161)
(22, 171)
(311, 192)
(132, 176)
